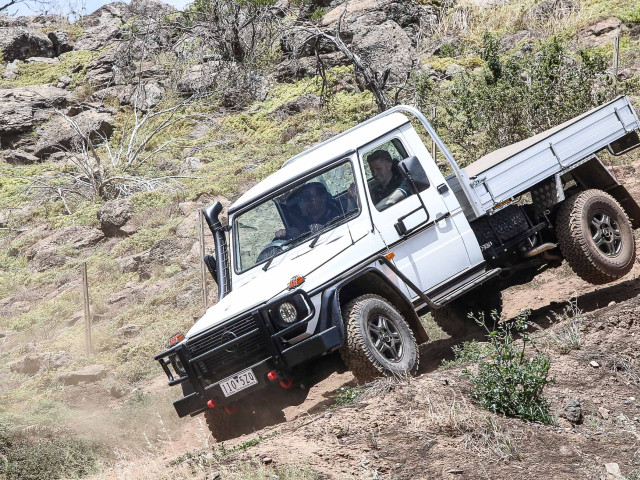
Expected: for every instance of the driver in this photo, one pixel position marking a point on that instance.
(317, 209)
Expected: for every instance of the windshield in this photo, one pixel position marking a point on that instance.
(304, 210)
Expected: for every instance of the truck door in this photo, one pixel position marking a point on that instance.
(432, 250)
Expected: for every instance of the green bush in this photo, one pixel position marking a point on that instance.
(515, 96)
(507, 380)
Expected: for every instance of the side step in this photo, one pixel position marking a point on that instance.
(467, 286)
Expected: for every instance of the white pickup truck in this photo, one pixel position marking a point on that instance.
(351, 241)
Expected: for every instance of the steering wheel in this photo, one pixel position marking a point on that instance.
(271, 249)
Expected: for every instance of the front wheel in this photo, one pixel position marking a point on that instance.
(596, 237)
(379, 341)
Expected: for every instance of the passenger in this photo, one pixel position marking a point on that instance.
(389, 187)
(317, 208)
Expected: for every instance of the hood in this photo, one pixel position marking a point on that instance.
(257, 287)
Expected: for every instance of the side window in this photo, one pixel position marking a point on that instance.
(385, 183)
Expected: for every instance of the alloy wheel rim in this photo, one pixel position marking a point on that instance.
(605, 233)
(385, 337)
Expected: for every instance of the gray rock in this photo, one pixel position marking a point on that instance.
(573, 411)
(72, 237)
(47, 259)
(19, 157)
(150, 9)
(131, 263)
(117, 391)
(190, 165)
(100, 71)
(47, 60)
(22, 108)
(102, 27)
(144, 97)
(11, 71)
(64, 80)
(90, 374)
(61, 41)
(28, 365)
(383, 46)
(113, 215)
(20, 42)
(612, 471)
(453, 70)
(58, 134)
(603, 27)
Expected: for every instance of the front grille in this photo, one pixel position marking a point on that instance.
(228, 361)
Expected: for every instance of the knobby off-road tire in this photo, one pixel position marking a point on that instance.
(595, 237)
(454, 317)
(220, 424)
(379, 341)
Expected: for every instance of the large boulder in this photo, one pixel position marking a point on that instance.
(61, 41)
(102, 27)
(23, 108)
(19, 41)
(59, 133)
(113, 215)
(144, 96)
(78, 237)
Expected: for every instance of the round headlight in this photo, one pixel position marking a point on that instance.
(287, 312)
(177, 365)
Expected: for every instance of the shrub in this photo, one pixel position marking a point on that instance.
(507, 380)
(513, 97)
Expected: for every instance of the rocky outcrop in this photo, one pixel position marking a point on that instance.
(113, 215)
(18, 40)
(102, 27)
(59, 134)
(22, 108)
(36, 362)
(100, 72)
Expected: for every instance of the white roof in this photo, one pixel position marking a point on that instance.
(318, 155)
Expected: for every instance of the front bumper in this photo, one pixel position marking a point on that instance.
(248, 341)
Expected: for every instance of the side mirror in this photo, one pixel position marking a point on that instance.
(210, 262)
(412, 171)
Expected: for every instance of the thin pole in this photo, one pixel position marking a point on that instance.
(203, 267)
(616, 55)
(87, 309)
(434, 149)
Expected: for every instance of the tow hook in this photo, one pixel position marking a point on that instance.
(286, 383)
(231, 409)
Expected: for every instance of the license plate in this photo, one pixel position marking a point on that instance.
(237, 382)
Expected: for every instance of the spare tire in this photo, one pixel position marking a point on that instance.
(595, 236)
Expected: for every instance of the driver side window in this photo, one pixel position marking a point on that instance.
(384, 181)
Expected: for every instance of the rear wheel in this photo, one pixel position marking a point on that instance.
(379, 341)
(596, 237)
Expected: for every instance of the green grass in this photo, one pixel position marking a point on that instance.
(40, 73)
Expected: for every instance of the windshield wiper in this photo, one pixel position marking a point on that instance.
(333, 221)
(285, 244)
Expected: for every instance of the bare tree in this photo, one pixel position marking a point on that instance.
(110, 170)
(376, 81)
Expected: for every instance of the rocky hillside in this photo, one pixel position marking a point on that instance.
(117, 129)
